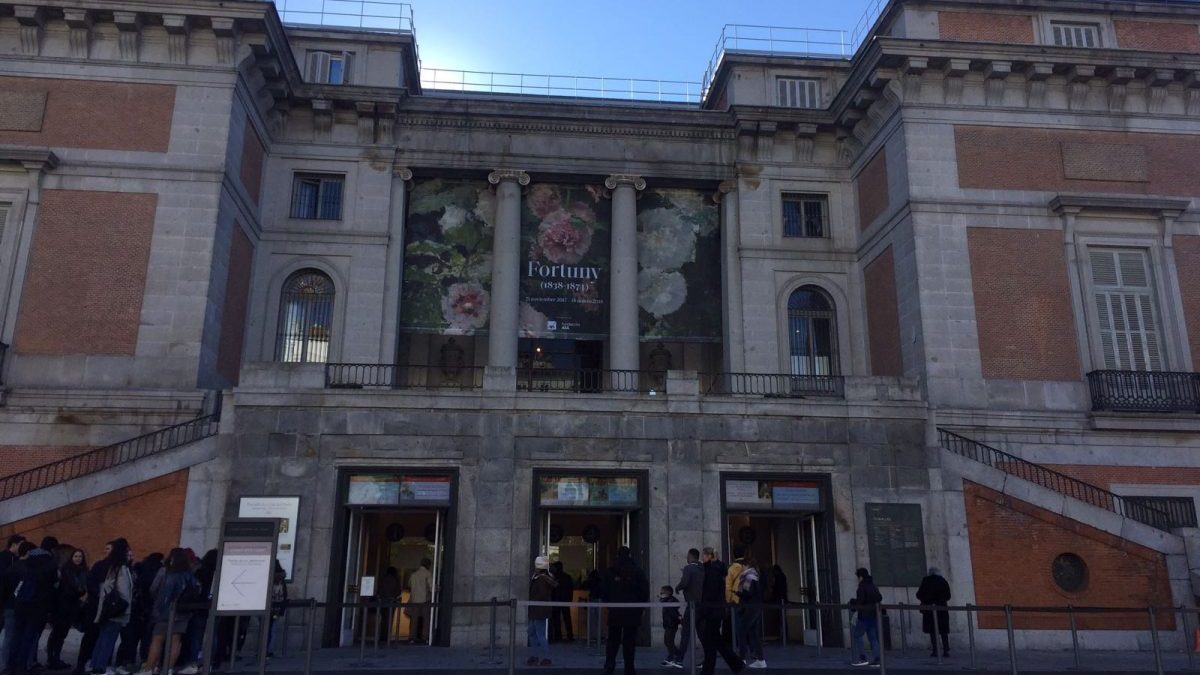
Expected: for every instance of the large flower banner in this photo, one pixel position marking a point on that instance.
(564, 261)
(448, 257)
(679, 265)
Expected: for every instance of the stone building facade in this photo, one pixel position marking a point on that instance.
(479, 326)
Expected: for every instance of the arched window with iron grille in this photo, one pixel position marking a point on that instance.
(305, 318)
(812, 333)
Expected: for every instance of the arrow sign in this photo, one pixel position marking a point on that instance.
(245, 582)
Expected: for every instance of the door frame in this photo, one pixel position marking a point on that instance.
(639, 546)
(331, 631)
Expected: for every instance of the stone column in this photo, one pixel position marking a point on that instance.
(394, 264)
(506, 267)
(623, 286)
(733, 349)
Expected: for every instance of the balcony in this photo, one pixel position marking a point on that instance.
(772, 385)
(1144, 391)
(383, 376)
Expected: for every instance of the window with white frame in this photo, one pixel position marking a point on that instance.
(305, 324)
(805, 215)
(1071, 34)
(812, 341)
(1130, 328)
(796, 92)
(329, 67)
(317, 196)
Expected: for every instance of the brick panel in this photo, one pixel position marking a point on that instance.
(986, 27)
(883, 316)
(92, 114)
(1107, 476)
(18, 458)
(872, 190)
(87, 273)
(1023, 304)
(1011, 158)
(22, 110)
(1157, 36)
(1013, 545)
(148, 514)
(253, 155)
(233, 314)
(1187, 262)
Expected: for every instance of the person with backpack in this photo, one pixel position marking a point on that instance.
(32, 598)
(749, 589)
(624, 581)
(541, 589)
(114, 600)
(711, 616)
(866, 608)
(173, 585)
(68, 601)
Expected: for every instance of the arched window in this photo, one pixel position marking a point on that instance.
(305, 318)
(812, 332)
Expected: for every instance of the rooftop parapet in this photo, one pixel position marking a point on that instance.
(376, 15)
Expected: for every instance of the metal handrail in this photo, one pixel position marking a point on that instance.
(92, 461)
(772, 385)
(401, 376)
(1144, 391)
(375, 15)
(569, 86)
(1134, 509)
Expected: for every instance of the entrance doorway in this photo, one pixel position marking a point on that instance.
(394, 538)
(786, 525)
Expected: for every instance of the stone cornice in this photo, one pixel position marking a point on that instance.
(647, 129)
(41, 158)
(1066, 203)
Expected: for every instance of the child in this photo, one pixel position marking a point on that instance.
(671, 620)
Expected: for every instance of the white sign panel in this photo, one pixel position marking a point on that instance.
(366, 588)
(287, 510)
(245, 582)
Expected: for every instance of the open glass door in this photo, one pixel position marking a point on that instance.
(354, 542)
(435, 592)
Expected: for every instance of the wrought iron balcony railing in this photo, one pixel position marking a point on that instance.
(388, 376)
(1144, 391)
(772, 385)
(589, 380)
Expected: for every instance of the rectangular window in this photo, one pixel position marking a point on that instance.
(804, 216)
(317, 196)
(329, 67)
(1075, 34)
(1129, 327)
(799, 93)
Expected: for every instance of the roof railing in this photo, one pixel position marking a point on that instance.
(792, 41)
(569, 86)
(374, 15)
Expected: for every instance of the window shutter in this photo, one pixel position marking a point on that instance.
(1125, 310)
(318, 67)
(348, 67)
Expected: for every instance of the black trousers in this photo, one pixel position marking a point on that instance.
(685, 639)
(624, 637)
(714, 643)
(90, 633)
(560, 618)
(945, 642)
(673, 652)
(60, 626)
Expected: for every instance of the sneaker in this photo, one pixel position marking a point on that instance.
(666, 662)
(861, 661)
(757, 664)
(875, 663)
(531, 661)
(122, 670)
(675, 664)
(189, 669)
(145, 672)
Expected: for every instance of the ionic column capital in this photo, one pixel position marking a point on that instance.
(500, 175)
(619, 179)
(402, 172)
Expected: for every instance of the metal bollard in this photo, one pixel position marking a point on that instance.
(492, 632)
(1191, 652)
(1074, 634)
(362, 636)
(850, 624)
(1158, 664)
(938, 652)
(512, 638)
(308, 637)
(783, 621)
(1012, 645)
(903, 631)
(233, 647)
(820, 634)
(879, 642)
(378, 622)
(971, 635)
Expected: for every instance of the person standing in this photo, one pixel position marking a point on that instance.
(174, 584)
(728, 631)
(8, 557)
(115, 599)
(866, 607)
(32, 598)
(541, 589)
(749, 591)
(710, 616)
(691, 584)
(560, 617)
(72, 589)
(671, 619)
(389, 593)
(935, 590)
(420, 587)
(279, 600)
(624, 582)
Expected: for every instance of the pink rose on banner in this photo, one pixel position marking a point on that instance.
(595, 191)
(562, 242)
(543, 200)
(583, 212)
(465, 307)
(531, 323)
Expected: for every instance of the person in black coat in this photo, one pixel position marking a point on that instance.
(712, 614)
(36, 578)
(624, 582)
(935, 590)
(560, 617)
(68, 603)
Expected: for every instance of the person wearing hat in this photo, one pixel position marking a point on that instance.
(935, 591)
(541, 589)
(866, 622)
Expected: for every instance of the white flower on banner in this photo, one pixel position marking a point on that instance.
(665, 242)
(661, 293)
(454, 216)
(465, 308)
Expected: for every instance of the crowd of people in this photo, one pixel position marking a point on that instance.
(143, 617)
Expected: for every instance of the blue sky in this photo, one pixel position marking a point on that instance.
(651, 39)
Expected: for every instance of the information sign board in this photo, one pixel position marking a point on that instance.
(245, 581)
(896, 544)
(287, 510)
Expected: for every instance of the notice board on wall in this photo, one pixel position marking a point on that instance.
(896, 544)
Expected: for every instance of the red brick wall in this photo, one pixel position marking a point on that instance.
(1023, 304)
(1107, 476)
(1013, 544)
(148, 514)
(986, 27)
(233, 314)
(18, 458)
(253, 154)
(1157, 36)
(883, 316)
(96, 114)
(1012, 158)
(87, 273)
(1187, 262)
(872, 190)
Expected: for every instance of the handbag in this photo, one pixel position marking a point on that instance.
(113, 606)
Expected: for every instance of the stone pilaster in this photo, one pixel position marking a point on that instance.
(394, 263)
(734, 360)
(623, 286)
(506, 267)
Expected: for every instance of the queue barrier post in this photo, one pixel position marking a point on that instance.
(1074, 635)
(820, 635)
(1158, 663)
(937, 628)
(1187, 639)
(308, 636)
(512, 638)
(492, 631)
(971, 635)
(879, 638)
(233, 648)
(362, 635)
(903, 627)
(1012, 646)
